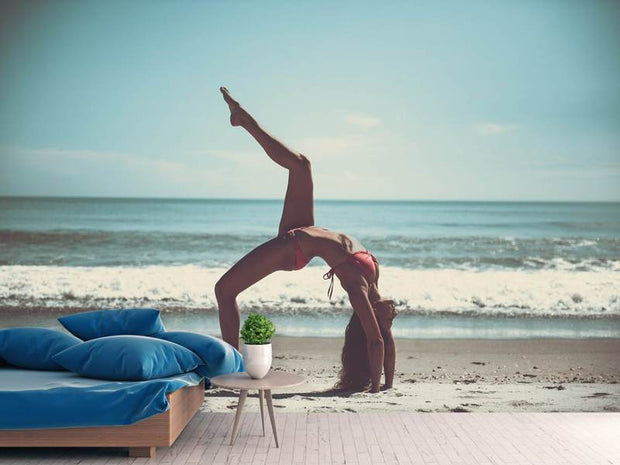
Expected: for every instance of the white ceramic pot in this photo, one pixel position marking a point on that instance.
(257, 359)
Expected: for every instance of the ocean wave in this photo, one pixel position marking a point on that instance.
(139, 248)
(459, 292)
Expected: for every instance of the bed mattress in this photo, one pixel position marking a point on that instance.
(33, 399)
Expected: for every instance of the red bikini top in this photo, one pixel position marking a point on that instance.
(362, 259)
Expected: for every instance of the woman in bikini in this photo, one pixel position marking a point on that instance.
(369, 346)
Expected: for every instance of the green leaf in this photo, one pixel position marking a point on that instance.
(257, 329)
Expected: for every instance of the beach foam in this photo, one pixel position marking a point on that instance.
(514, 293)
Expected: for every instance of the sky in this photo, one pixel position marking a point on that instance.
(442, 100)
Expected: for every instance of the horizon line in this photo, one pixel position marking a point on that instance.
(77, 197)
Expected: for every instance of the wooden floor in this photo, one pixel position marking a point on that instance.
(373, 438)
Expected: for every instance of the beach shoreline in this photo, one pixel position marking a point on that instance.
(458, 375)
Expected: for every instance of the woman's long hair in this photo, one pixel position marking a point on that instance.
(355, 372)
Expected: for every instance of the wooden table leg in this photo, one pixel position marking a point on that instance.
(242, 395)
(261, 396)
(142, 451)
(272, 418)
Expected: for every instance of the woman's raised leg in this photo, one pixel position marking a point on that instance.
(271, 256)
(298, 208)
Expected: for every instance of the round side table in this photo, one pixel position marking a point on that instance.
(243, 382)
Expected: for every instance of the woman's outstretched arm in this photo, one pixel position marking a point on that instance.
(389, 361)
(374, 341)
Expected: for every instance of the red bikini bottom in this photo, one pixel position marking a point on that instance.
(301, 259)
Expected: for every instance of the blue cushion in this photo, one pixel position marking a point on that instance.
(100, 323)
(128, 358)
(33, 348)
(218, 357)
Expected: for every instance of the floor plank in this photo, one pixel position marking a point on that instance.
(507, 438)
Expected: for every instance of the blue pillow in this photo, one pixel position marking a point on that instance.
(33, 348)
(218, 357)
(128, 358)
(100, 323)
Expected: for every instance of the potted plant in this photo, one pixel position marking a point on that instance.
(256, 334)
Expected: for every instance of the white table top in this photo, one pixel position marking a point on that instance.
(273, 379)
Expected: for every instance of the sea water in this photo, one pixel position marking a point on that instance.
(455, 269)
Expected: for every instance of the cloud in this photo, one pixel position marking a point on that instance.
(595, 169)
(54, 155)
(60, 171)
(493, 128)
(333, 146)
(239, 157)
(204, 173)
(48, 157)
(362, 121)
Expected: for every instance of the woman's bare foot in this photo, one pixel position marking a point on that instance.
(238, 116)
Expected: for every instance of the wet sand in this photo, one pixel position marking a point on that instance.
(459, 375)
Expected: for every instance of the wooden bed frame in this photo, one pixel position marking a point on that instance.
(141, 438)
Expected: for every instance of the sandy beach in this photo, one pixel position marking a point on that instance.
(459, 375)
